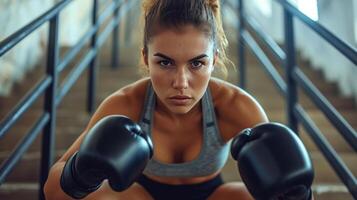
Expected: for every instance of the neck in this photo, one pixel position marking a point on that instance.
(163, 110)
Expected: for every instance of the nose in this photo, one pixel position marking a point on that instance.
(181, 79)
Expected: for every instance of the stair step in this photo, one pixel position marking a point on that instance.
(28, 168)
(64, 138)
(29, 191)
(12, 191)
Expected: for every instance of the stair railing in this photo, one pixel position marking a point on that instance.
(296, 78)
(53, 93)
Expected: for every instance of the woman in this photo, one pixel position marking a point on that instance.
(190, 116)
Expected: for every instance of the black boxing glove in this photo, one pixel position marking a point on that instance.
(273, 162)
(115, 149)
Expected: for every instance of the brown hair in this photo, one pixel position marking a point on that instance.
(203, 14)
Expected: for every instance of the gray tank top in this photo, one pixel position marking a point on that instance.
(213, 154)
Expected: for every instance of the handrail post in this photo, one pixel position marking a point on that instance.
(241, 47)
(290, 64)
(115, 43)
(48, 139)
(92, 72)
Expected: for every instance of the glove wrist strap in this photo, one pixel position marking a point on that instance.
(70, 185)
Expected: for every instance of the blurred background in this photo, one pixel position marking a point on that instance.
(60, 59)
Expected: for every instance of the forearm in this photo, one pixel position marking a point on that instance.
(52, 189)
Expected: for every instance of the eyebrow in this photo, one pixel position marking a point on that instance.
(168, 58)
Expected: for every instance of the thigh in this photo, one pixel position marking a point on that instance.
(134, 192)
(231, 191)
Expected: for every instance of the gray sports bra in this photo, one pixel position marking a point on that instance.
(214, 151)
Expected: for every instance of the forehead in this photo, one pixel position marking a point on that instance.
(187, 39)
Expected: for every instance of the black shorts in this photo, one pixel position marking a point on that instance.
(198, 191)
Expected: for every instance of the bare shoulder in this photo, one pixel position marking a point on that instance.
(126, 101)
(235, 109)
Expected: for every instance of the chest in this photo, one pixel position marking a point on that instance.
(176, 141)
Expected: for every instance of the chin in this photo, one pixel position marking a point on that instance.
(180, 110)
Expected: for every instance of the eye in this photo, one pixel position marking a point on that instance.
(165, 63)
(197, 64)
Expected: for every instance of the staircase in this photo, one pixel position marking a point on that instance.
(72, 119)
(327, 185)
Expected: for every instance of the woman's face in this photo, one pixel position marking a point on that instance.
(180, 63)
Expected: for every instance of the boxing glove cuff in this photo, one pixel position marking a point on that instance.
(299, 193)
(70, 185)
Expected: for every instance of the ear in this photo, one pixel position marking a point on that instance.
(145, 56)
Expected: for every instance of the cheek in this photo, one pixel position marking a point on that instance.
(200, 81)
(158, 78)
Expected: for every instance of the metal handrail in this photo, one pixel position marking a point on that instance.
(48, 85)
(325, 106)
(295, 78)
(328, 151)
(23, 106)
(74, 75)
(22, 146)
(9, 42)
(344, 48)
(266, 63)
(266, 39)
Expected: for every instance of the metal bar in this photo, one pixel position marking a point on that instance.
(264, 60)
(9, 42)
(266, 39)
(330, 154)
(290, 62)
(24, 105)
(75, 50)
(110, 26)
(78, 46)
(324, 105)
(105, 33)
(108, 11)
(100, 40)
(74, 75)
(115, 43)
(22, 147)
(92, 72)
(48, 139)
(241, 46)
(347, 50)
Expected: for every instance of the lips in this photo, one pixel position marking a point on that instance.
(180, 100)
(180, 97)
